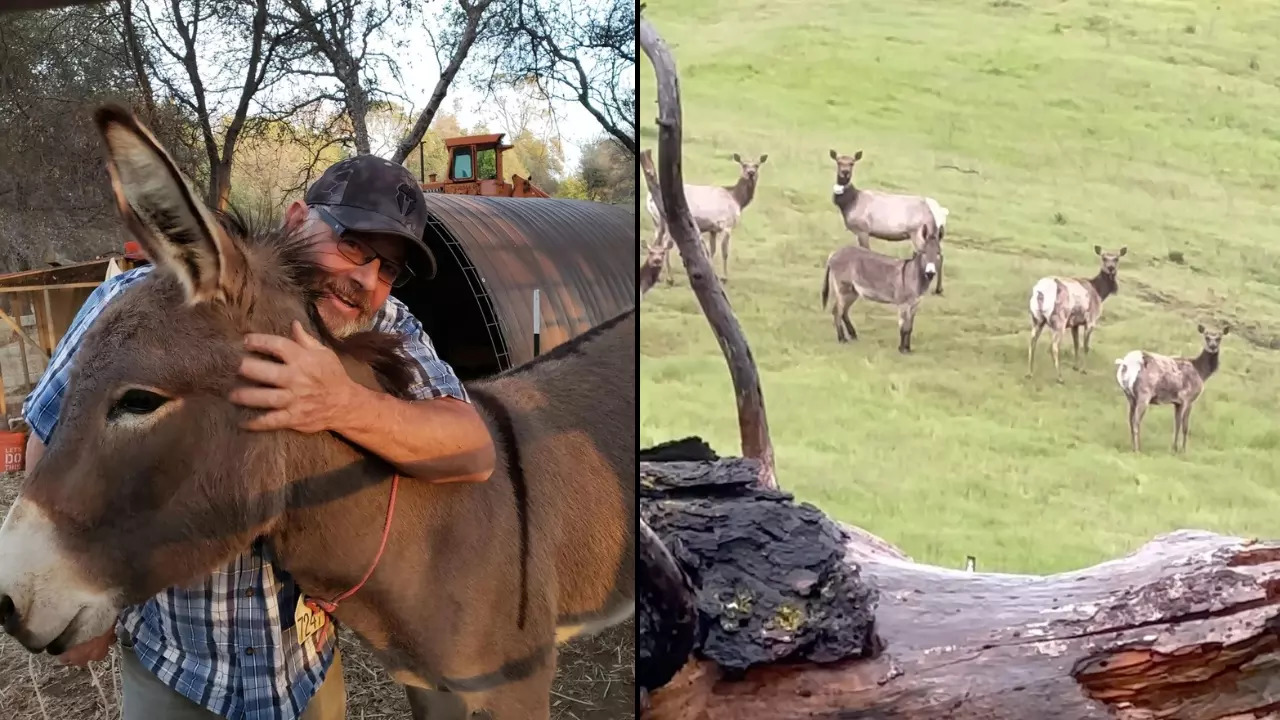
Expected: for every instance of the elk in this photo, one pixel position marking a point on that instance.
(858, 272)
(150, 482)
(716, 211)
(883, 215)
(1149, 378)
(1061, 302)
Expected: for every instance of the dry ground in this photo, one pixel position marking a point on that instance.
(594, 682)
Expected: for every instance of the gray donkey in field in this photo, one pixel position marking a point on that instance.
(858, 272)
(1149, 378)
(1060, 303)
(716, 210)
(883, 215)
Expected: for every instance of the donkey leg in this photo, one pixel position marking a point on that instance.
(844, 316)
(906, 321)
(1036, 328)
(937, 289)
(863, 239)
(526, 699)
(435, 704)
(839, 309)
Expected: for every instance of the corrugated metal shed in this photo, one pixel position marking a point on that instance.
(496, 251)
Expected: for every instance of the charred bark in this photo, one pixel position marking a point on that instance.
(1187, 626)
(752, 422)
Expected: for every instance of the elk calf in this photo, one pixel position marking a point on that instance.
(856, 271)
(1149, 378)
(1060, 303)
(882, 215)
(716, 210)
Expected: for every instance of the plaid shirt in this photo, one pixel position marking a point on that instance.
(227, 642)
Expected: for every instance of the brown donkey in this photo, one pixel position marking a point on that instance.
(856, 271)
(150, 482)
(886, 216)
(716, 210)
(1060, 303)
(1149, 378)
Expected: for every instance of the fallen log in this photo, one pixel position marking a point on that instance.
(1187, 626)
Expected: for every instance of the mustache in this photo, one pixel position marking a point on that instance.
(350, 292)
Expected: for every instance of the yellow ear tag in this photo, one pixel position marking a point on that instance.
(309, 620)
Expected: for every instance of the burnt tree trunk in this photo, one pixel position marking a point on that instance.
(1186, 627)
(752, 423)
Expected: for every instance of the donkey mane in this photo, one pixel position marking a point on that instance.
(289, 252)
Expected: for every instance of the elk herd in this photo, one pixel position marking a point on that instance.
(853, 271)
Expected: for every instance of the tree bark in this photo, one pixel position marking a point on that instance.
(752, 422)
(656, 253)
(1187, 627)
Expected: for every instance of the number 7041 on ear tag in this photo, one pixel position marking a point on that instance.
(309, 620)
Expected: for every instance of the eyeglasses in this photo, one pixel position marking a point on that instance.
(393, 273)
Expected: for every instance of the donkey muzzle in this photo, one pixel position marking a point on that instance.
(45, 601)
(930, 270)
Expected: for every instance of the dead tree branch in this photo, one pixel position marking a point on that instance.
(752, 422)
(1187, 626)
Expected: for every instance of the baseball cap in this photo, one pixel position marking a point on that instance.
(370, 194)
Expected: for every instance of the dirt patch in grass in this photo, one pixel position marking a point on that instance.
(594, 680)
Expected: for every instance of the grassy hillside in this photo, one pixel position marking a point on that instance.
(1149, 124)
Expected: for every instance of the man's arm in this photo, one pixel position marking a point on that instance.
(440, 439)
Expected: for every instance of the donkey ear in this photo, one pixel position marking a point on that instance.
(175, 229)
(834, 155)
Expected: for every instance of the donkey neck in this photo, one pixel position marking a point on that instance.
(1104, 284)
(742, 191)
(1206, 364)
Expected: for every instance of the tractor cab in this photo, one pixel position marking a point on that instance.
(475, 168)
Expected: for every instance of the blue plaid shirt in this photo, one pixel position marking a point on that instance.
(228, 642)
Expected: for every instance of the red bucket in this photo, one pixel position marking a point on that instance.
(14, 445)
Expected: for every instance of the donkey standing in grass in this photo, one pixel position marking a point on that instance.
(1060, 303)
(151, 482)
(857, 271)
(716, 210)
(887, 216)
(1149, 378)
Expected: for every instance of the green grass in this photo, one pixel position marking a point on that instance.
(1150, 124)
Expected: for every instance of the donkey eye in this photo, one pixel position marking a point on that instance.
(137, 402)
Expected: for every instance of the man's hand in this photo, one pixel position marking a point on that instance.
(307, 391)
(89, 650)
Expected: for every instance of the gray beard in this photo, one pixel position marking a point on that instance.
(346, 329)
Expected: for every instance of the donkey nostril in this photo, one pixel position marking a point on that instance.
(6, 609)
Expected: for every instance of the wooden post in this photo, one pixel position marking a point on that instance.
(753, 425)
(19, 309)
(537, 323)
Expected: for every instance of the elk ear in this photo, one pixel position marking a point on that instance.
(834, 156)
(857, 156)
(175, 229)
(763, 158)
(1200, 328)
(1124, 250)
(737, 159)
(1097, 249)
(1226, 329)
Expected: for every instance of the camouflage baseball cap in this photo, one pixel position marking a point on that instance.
(366, 193)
